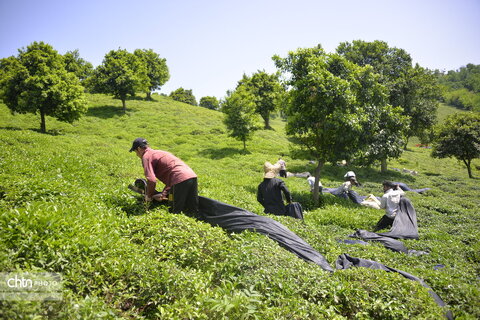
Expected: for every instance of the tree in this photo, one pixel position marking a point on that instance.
(240, 117)
(74, 63)
(183, 95)
(157, 70)
(419, 101)
(209, 103)
(413, 89)
(122, 74)
(461, 88)
(331, 102)
(36, 82)
(267, 91)
(383, 139)
(459, 137)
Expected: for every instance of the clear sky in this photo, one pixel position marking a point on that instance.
(210, 44)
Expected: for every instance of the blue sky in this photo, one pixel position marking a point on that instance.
(210, 44)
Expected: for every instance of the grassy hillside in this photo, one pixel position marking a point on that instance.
(65, 208)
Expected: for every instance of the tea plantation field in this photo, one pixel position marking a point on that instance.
(65, 208)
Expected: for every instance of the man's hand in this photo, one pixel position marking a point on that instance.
(159, 197)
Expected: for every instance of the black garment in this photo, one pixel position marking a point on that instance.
(341, 193)
(183, 197)
(384, 222)
(269, 194)
(283, 173)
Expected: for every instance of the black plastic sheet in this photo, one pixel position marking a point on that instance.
(234, 219)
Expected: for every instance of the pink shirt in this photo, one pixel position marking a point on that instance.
(167, 168)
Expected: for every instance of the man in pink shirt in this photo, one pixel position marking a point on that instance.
(180, 181)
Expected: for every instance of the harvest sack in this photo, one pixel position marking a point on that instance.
(294, 209)
(404, 227)
(405, 223)
(371, 201)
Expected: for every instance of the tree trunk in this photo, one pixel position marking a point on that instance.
(266, 119)
(149, 95)
(43, 126)
(469, 168)
(124, 104)
(383, 167)
(244, 146)
(406, 143)
(318, 169)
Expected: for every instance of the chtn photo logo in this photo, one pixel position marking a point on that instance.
(30, 286)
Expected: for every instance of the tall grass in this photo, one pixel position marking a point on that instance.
(65, 208)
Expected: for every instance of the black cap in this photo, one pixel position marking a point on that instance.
(139, 142)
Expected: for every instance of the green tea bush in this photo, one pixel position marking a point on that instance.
(65, 207)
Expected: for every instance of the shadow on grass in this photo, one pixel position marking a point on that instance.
(431, 174)
(52, 132)
(140, 98)
(221, 153)
(106, 112)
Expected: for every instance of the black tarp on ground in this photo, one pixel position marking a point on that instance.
(236, 219)
(388, 242)
(345, 261)
(404, 227)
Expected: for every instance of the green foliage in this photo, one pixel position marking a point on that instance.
(459, 137)
(121, 74)
(74, 63)
(388, 139)
(412, 88)
(467, 77)
(157, 70)
(209, 103)
(463, 99)
(461, 88)
(266, 91)
(421, 101)
(240, 116)
(65, 207)
(338, 110)
(185, 96)
(36, 82)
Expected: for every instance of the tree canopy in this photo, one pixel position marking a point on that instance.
(157, 70)
(412, 88)
(459, 137)
(266, 91)
(332, 101)
(240, 116)
(209, 103)
(185, 96)
(36, 81)
(80, 67)
(121, 74)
